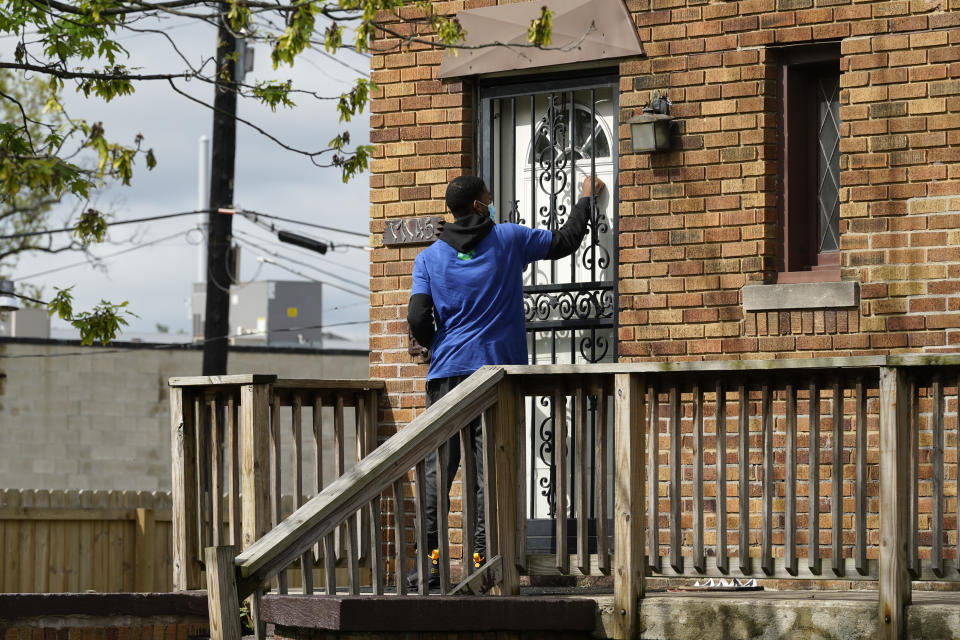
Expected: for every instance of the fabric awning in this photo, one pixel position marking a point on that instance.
(583, 30)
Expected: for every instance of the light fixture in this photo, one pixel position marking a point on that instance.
(650, 131)
(8, 299)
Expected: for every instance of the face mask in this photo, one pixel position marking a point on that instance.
(492, 210)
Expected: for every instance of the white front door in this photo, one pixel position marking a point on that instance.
(543, 145)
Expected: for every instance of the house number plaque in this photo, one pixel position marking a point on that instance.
(412, 230)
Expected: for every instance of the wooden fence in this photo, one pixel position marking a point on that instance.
(75, 541)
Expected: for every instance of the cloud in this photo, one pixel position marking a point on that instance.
(156, 280)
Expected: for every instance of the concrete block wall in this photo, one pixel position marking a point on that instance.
(99, 418)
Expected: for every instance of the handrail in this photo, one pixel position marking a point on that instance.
(740, 366)
(350, 492)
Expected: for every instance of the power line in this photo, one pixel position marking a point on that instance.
(117, 223)
(365, 74)
(300, 252)
(306, 224)
(303, 275)
(180, 214)
(302, 264)
(107, 257)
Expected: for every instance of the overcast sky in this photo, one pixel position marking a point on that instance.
(156, 279)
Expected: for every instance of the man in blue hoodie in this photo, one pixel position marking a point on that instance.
(466, 306)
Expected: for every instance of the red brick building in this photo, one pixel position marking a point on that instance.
(808, 205)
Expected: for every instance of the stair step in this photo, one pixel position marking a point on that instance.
(430, 613)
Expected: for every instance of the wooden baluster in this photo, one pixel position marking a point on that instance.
(254, 481)
(500, 430)
(743, 470)
(423, 551)
(913, 420)
(468, 499)
(233, 484)
(254, 450)
(353, 553)
(861, 495)
(361, 417)
(653, 466)
(936, 528)
(894, 579)
(520, 447)
(329, 564)
(720, 422)
(203, 450)
(338, 463)
(601, 462)
(376, 547)
(676, 478)
(400, 538)
(306, 560)
(490, 481)
(813, 507)
(276, 513)
(318, 459)
(766, 541)
(560, 479)
(699, 561)
(443, 545)
(183, 427)
(580, 482)
(216, 471)
(629, 560)
(836, 480)
(790, 479)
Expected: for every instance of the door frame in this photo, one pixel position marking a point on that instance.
(540, 532)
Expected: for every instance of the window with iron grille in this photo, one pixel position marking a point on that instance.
(808, 150)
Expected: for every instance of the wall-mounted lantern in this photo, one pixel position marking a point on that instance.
(8, 300)
(650, 131)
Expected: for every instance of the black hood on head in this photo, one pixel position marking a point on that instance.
(466, 232)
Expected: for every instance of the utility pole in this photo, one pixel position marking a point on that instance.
(217, 321)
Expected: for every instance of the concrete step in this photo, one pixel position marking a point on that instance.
(294, 616)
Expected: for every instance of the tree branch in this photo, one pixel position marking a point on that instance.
(89, 75)
(310, 154)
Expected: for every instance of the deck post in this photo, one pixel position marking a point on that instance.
(222, 602)
(505, 445)
(255, 461)
(629, 563)
(894, 503)
(183, 449)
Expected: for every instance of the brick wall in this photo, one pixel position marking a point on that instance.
(700, 222)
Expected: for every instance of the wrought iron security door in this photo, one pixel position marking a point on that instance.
(538, 141)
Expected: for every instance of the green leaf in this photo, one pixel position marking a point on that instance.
(539, 32)
(91, 226)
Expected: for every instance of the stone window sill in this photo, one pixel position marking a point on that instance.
(812, 295)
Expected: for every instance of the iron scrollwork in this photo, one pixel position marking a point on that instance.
(588, 304)
(551, 159)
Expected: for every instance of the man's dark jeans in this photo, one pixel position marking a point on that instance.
(436, 389)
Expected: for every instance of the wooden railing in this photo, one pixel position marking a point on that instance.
(742, 436)
(239, 443)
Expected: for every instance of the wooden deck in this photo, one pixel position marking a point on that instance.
(664, 615)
